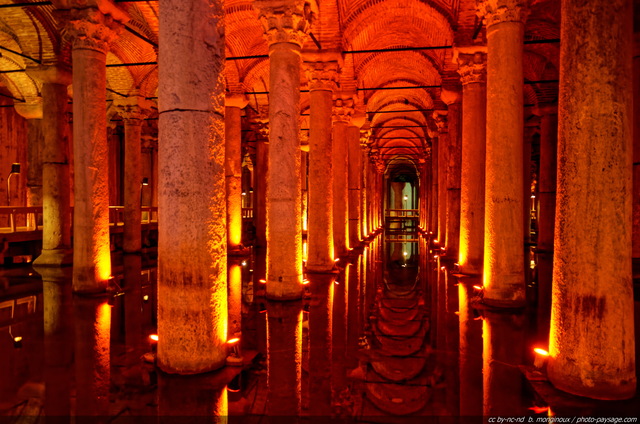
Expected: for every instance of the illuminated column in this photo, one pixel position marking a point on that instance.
(91, 31)
(440, 118)
(355, 178)
(133, 110)
(453, 165)
(31, 110)
(341, 118)
(503, 231)
(322, 78)
(433, 226)
(234, 283)
(285, 25)
(233, 168)
(364, 193)
(592, 334)
(192, 234)
(56, 192)
(472, 69)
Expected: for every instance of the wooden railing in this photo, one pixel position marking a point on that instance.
(29, 218)
(402, 213)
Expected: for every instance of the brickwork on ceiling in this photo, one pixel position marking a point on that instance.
(339, 24)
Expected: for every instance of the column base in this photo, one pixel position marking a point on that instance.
(54, 257)
(603, 390)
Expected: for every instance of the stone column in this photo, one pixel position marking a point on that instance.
(636, 153)
(546, 214)
(233, 169)
(285, 26)
(355, 179)
(91, 30)
(592, 329)
(322, 78)
(261, 182)
(56, 231)
(364, 198)
(32, 111)
(192, 234)
(440, 117)
(503, 231)
(454, 163)
(472, 69)
(341, 117)
(434, 186)
(133, 110)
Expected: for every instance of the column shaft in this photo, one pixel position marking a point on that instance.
(474, 110)
(453, 180)
(132, 232)
(192, 237)
(320, 234)
(592, 335)
(340, 189)
(284, 220)
(503, 229)
(355, 170)
(233, 175)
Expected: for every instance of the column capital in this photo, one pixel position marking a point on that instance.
(50, 74)
(365, 137)
(440, 118)
(133, 109)
(31, 108)
(494, 12)
(342, 110)
(284, 21)
(235, 100)
(90, 28)
(261, 129)
(322, 75)
(449, 96)
(472, 64)
(149, 144)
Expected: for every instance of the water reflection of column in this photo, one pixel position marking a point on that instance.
(320, 343)
(92, 320)
(470, 350)
(340, 332)
(353, 312)
(284, 356)
(503, 338)
(58, 339)
(196, 396)
(133, 317)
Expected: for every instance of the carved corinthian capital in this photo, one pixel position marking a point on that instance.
(322, 75)
(496, 11)
(284, 21)
(342, 110)
(90, 29)
(472, 67)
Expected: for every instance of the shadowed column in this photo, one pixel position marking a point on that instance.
(233, 168)
(341, 117)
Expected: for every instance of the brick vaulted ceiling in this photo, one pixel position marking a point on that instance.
(400, 119)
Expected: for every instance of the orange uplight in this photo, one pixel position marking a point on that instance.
(541, 351)
(539, 409)
(17, 339)
(234, 340)
(232, 390)
(263, 281)
(153, 337)
(305, 282)
(478, 287)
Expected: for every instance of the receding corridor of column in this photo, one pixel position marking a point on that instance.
(440, 118)
(341, 118)
(592, 285)
(472, 69)
(56, 191)
(233, 169)
(322, 78)
(92, 31)
(192, 245)
(285, 27)
(452, 99)
(503, 229)
(355, 179)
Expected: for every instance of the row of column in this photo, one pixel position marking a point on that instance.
(591, 241)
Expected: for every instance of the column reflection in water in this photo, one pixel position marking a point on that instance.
(320, 342)
(135, 339)
(353, 313)
(340, 333)
(92, 322)
(58, 340)
(503, 335)
(203, 396)
(284, 357)
(470, 349)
